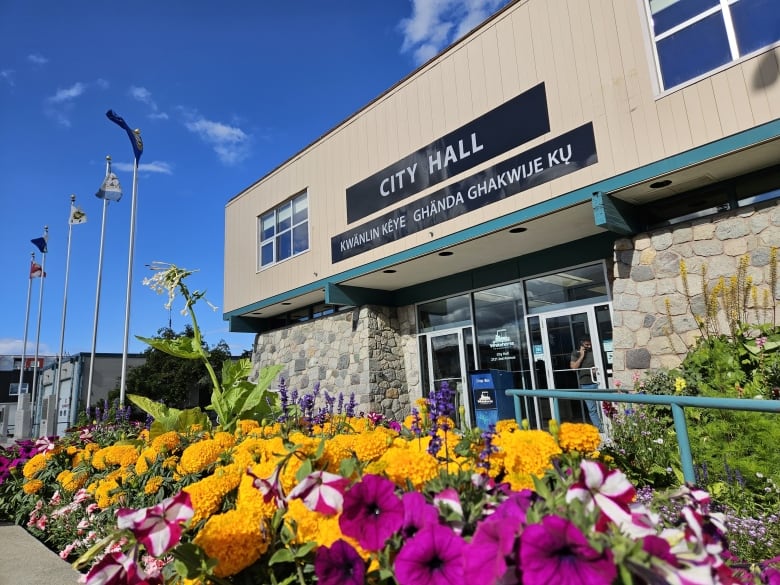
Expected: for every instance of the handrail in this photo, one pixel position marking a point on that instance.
(677, 403)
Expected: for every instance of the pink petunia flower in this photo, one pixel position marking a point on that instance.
(418, 513)
(449, 499)
(158, 527)
(118, 568)
(321, 492)
(433, 556)
(372, 512)
(271, 488)
(45, 444)
(339, 565)
(610, 491)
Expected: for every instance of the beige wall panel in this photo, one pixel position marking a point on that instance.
(436, 89)
(696, 122)
(525, 59)
(460, 89)
(769, 66)
(759, 101)
(681, 124)
(425, 125)
(502, 82)
(449, 93)
(709, 110)
(565, 67)
(725, 104)
(739, 96)
(588, 76)
(408, 113)
(478, 81)
(544, 65)
(383, 127)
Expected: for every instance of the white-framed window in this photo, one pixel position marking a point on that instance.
(693, 37)
(13, 388)
(283, 232)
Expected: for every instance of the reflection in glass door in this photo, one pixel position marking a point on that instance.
(450, 356)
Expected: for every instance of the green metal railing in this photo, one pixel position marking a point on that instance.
(677, 403)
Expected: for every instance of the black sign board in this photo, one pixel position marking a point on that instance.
(511, 124)
(555, 158)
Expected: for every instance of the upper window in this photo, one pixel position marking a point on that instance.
(284, 231)
(694, 37)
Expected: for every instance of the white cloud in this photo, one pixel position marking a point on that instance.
(143, 95)
(102, 83)
(435, 24)
(229, 142)
(9, 346)
(37, 59)
(68, 94)
(8, 76)
(160, 167)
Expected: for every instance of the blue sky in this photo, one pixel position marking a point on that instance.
(222, 93)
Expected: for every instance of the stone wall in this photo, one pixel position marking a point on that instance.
(369, 351)
(647, 277)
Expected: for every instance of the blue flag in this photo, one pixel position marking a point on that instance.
(135, 139)
(40, 243)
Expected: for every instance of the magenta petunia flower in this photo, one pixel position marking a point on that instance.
(339, 565)
(321, 492)
(117, 568)
(418, 513)
(485, 559)
(372, 512)
(556, 552)
(608, 490)
(271, 488)
(433, 556)
(157, 527)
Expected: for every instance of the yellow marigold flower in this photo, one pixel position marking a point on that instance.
(144, 435)
(507, 425)
(199, 456)
(32, 486)
(153, 485)
(166, 442)
(580, 437)
(171, 462)
(34, 465)
(225, 440)
(244, 427)
(71, 450)
(207, 494)
(523, 454)
(147, 457)
(250, 499)
(234, 539)
(312, 526)
(122, 455)
(70, 481)
(410, 463)
(107, 493)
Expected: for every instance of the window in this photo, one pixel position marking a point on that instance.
(283, 232)
(694, 37)
(13, 389)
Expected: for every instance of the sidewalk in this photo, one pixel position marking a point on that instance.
(25, 561)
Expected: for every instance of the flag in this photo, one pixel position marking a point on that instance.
(110, 189)
(77, 216)
(40, 243)
(135, 139)
(35, 270)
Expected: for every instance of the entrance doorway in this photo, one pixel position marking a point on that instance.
(553, 338)
(450, 357)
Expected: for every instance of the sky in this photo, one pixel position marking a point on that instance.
(223, 92)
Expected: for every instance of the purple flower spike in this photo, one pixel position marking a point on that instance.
(339, 565)
(556, 552)
(372, 512)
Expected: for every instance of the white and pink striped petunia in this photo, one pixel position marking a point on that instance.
(158, 528)
(321, 492)
(609, 490)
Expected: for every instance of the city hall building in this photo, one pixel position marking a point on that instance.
(537, 183)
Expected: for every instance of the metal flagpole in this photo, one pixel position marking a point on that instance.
(26, 322)
(133, 206)
(58, 371)
(35, 396)
(97, 292)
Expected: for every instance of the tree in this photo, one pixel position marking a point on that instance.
(178, 382)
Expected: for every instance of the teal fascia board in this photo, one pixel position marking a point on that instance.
(745, 139)
(336, 294)
(614, 215)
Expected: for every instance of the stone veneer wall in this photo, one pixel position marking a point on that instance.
(371, 351)
(647, 273)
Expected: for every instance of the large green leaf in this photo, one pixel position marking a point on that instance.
(182, 347)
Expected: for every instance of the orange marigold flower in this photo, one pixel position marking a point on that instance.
(35, 464)
(153, 485)
(199, 456)
(234, 539)
(166, 442)
(122, 455)
(580, 437)
(32, 486)
(207, 494)
(244, 427)
(409, 463)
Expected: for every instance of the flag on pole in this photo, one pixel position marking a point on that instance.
(77, 215)
(110, 189)
(35, 270)
(135, 137)
(41, 244)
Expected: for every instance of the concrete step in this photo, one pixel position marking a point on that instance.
(25, 561)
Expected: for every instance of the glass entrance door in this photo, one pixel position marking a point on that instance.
(450, 357)
(555, 339)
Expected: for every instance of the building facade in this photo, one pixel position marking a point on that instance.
(537, 183)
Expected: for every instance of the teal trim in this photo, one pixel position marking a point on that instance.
(745, 139)
(676, 402)
(613, 214)
(336, 294)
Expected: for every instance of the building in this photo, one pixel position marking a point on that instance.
(10, 367)
(537, 182)
(53, 415)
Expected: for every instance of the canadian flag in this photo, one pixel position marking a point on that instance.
(36, 271)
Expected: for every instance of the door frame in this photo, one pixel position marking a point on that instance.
(465, 400)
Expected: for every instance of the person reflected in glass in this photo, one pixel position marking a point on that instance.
(582, 361)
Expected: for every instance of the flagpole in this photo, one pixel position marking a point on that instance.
(26, 322)
(58, 371)
(97, 292)
(38, 330)
(133, 206)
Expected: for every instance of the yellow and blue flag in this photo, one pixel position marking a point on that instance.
(135, 138)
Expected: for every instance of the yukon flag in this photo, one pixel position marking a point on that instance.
(110, 189)
(77, 216)
(35, 270)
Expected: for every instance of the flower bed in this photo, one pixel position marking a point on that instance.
(352, 500)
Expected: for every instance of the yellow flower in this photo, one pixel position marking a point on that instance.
(108, 493)
(225, 440)
(199, 456)
(244, 427)
(523, 455)
(580, 437)
(145, 459)
(679, 385)
(410, 463)
(153, 485)
(122, 455)
(70, 481)
(234, 539)
(166, 442)
(34, 465)
(507, 425)
(32, 486)
(207, 494)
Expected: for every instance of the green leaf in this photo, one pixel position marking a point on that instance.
(305, 549)
(304, 470)
(283, 555)
(157, 410)
(182, 347)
